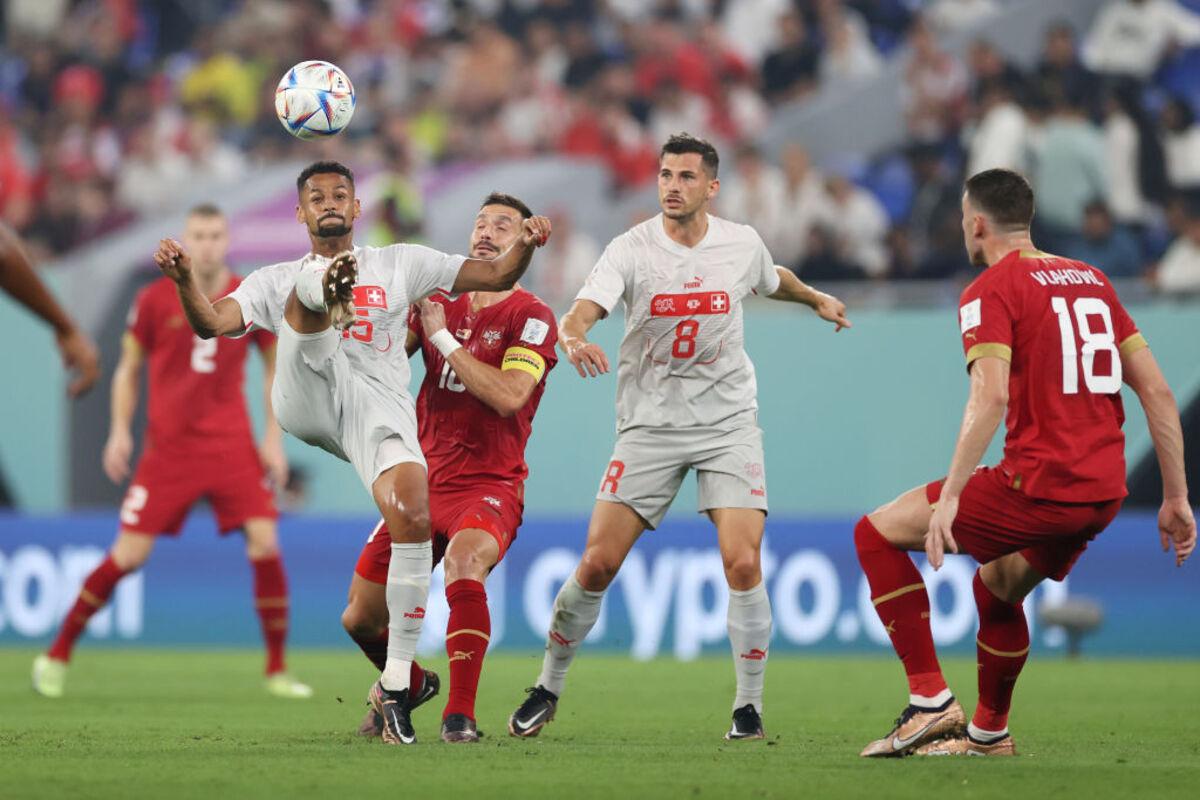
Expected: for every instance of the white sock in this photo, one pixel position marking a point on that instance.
(987, 737)
(575, 612)
(310, 289)
(407, 594)
(749, 620)
(937, 701)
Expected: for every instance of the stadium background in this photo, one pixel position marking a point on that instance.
(845, 129)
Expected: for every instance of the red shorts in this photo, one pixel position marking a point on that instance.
(496, 509)
(166, 486)
(995, 520)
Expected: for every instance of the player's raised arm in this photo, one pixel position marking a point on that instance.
(587, 357)
(986, 404)
(205, 318)
(501, 273)
(1176, 523)
(18, 279)
(118, 449)
(505, 390)
(270, 449)
(794, 290)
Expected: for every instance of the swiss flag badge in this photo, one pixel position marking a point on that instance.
(370, 297)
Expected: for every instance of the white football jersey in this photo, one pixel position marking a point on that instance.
(683, 361)
(390, 279)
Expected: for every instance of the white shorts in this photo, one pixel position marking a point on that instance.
(321, 400)
(648, 466)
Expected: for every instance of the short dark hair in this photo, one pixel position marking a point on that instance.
(681, 143)
(502, 199)
(205, 210)
(323, 168)
(1004, 195)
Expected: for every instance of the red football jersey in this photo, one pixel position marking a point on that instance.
(195, 385)
(464, 440)
(1060, 325)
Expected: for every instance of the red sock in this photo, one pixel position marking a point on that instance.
(1002, 647)
(375, 649)
(95, 593)
(903, 606)
(467, 636)
(271, 601)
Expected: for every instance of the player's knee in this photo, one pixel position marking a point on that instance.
(742, 570)
(464, 564)
(361, 622)
(596, 570)
(867, 537)
(408, 525)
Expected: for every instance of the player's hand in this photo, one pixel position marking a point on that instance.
(830, 309)
(588, 358)
(117, 452)
(1177, 525)
(79, 354)
(940, 537)
(271, 454)
(433, 317)
(536, 231)
(173, 260)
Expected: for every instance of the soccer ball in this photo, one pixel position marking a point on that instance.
(314, 99)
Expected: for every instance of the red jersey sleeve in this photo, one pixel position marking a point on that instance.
(263, 339)
(533, 334)
(140, 323)
(986, 317)
(1125, 330)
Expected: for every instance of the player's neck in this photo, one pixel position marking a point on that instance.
(212, 283)
(688, 231)
(484, 299)
(998, 248)
(330, 246)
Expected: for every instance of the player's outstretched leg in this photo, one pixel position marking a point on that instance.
(366, 621)
(1000, 588)
(402, 495)
(613, 530)
(739, 534)
(271, 603)
(326, 294)
(128, 554)
(470, 556)
(902, 602)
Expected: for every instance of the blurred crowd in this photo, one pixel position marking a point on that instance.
(109, 107)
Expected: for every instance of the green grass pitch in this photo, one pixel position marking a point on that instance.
(179, 724)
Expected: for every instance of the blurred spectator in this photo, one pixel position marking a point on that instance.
(1000, 137)
(401, 206)
(933, 232)
(1105, 245)
(1060, 69)
(152, 175)
(949, 16)
(752, 26)
(1181, 145)
(790, 71)
(935, 87)
(804, 201)
(987, 66)
(221, 84)
(1130, 37)
(858, 226)
(1179, 270)
(1122, 149)
(756, 195)
(1068, 172)
(849, 54)
(564, 263)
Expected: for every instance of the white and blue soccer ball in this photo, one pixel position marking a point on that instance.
(314, 99)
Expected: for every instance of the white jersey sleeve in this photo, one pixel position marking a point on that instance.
(609, 280)
(427, 270)
(262, 295)
(764, 278)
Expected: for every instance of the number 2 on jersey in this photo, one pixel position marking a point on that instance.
(204, 354)
(1093, 342)
(684, 345)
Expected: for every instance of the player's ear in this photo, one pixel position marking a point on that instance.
(357, 208)
(714, 187)
(299, 214)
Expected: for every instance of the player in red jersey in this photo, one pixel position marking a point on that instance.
(1046, 340)
(199, 444)
(486, 358)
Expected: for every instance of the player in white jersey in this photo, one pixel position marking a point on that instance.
(686, 399)
(342, 375)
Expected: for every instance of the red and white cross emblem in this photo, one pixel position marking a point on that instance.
(718, 302)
